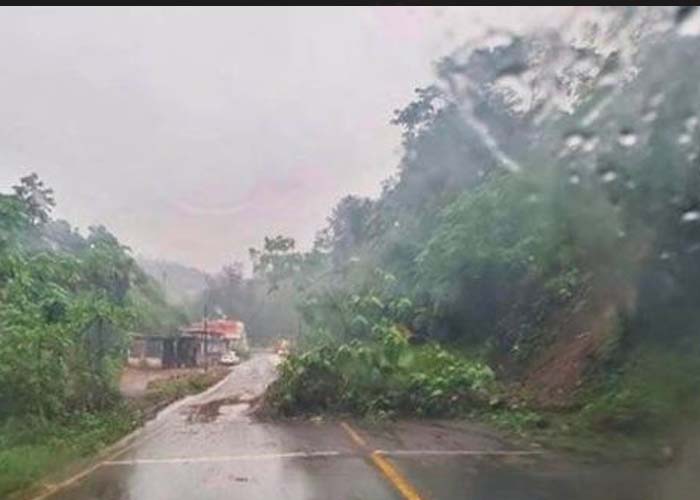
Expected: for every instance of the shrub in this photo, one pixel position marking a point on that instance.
(383, 376)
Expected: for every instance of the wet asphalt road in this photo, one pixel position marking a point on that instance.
(206, 447)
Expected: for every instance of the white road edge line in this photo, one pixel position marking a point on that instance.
(224, 458)
(53, 488)
(128, 442)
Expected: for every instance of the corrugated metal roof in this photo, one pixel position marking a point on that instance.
(224, 328)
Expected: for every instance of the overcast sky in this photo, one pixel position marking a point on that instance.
(192, 133)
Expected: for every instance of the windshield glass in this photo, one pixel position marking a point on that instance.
(349, 252)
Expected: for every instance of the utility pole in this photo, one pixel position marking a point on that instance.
(206, 337)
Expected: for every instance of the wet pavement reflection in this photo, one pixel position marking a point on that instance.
(207, 447)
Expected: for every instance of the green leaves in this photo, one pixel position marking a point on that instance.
(65, 305)
(36, 198)
(382, 376)
(493, 226)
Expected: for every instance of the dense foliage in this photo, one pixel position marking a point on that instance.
(384, 377)
(67, 302)
(555, 237)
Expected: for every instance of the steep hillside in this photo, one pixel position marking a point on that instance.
(537, 264)
(181, 283)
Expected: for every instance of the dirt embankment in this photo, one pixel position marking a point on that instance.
(578, 340)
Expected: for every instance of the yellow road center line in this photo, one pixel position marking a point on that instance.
(390, 472)
(354, 435)
(395, 477)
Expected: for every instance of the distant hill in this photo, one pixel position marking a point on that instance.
(181, 283)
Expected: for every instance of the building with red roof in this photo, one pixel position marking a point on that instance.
(224, 329)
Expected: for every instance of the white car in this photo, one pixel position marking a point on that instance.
(230, 358)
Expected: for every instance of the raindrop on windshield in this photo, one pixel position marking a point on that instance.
(610, 80)
(649, 117)
(693, 248)
(608, 176)
(691, 216)
(573, 141)
(590, 144)
(656, 100)
(627, 138)
(688, 21)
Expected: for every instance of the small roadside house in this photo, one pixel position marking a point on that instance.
(163, 351)
(220, 336)
(193, 345)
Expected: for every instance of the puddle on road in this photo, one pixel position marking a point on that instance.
(233, 407)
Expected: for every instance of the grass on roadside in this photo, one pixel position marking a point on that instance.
(160, 393)
(33, 448)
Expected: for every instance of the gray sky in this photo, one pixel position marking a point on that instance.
(192, 133)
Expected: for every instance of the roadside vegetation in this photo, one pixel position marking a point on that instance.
(67, 301)
(548, 285)
(384, 378)
(160, 393)
(32, 448)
